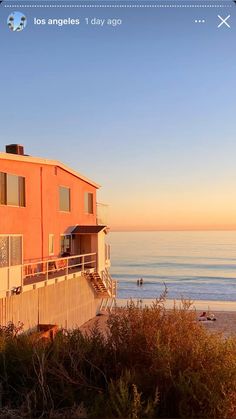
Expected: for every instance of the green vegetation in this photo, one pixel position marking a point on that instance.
(153, 363)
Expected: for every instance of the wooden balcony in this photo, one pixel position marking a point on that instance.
(46, 270)
(40, 273)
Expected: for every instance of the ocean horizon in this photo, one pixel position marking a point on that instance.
(199, 265)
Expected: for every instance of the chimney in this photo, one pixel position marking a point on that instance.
(15, 149)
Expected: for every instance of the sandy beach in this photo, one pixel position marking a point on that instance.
(225, 313)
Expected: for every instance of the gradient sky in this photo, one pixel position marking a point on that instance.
(146, 109)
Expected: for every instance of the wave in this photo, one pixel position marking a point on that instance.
(151, 279)
(177, 265)
(199, 266)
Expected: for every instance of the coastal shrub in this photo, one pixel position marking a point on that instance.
(150, 363)
(194, 371)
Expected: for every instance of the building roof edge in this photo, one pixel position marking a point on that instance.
(39, 160)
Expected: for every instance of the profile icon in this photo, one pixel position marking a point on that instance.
(16, 21)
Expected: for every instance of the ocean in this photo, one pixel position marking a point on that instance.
(193, 264)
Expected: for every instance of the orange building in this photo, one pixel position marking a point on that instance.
(51, 226)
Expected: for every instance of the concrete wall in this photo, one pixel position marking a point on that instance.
(67, 304)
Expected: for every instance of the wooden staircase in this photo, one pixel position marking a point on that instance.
(104, 286)
(98, 285)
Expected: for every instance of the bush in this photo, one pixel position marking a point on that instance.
(152, 363)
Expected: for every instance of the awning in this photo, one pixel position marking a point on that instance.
(87, 229)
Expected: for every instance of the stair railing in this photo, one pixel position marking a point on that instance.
(109, 283)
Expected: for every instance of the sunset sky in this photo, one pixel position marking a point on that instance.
(146, 110)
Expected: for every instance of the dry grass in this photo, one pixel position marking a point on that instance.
(152, 363)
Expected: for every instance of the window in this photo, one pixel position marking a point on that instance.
(12, 190)
(3, 188)
(10, 251)
(66, 245)
(4, 251)
(15, 250)
(88, 202)
(51, 244)
(64, 199)
(22, 191)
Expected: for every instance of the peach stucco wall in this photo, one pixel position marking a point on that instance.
(41, 216)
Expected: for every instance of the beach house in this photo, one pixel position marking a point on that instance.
(54, 255)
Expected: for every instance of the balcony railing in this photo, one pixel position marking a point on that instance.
(102, 214)
(110, 283)
(15, 278)
(53, 268)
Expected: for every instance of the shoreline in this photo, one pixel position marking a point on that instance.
(224, 311)
(204, 305)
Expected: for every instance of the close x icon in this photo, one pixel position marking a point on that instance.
(224, 21)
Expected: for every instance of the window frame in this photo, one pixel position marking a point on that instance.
(87, 203)
(69, 236)
(9, 236)
(69, 189)
(21, 190)
(51, 236)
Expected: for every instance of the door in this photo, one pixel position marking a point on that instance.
(82, 244)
